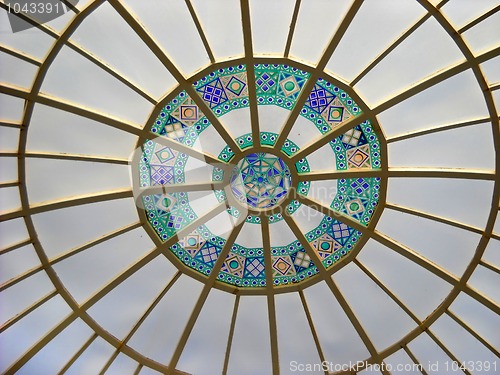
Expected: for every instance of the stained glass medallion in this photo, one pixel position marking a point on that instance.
(260, 176)
(260, 180)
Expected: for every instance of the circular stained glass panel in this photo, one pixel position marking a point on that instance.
(261, 181)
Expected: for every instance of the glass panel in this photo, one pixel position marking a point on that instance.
(295, 340)
(465, 200)
(60, 230)
(49, 179)
(434, 359)
(340, 342)
(221, 22)
(456, 246)
(105, 28)
(389, 324)
(10, 200)
(9, 138)
(17, 72)
(31, 41)
(401, 363)
(66, 132)
(457, 99)
(486, 281)
(88, 271)
(22, 335)
(17, 262)
(461, 12)
(360, 45)
(446, 149)
(93, 359)
(277, 13)
(12, 232)
(251, 335)
(11, 108)
(160, 333)
(119, 310)
(317, 22)
(409, 281)
(206, 347)
(171, 25)
(54, 356)
(462, 344)
(479, 318)
(475, 36)
(93, 88)
(398, 71)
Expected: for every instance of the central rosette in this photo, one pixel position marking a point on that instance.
(261, 181)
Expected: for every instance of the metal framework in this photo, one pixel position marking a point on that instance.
(459, 283)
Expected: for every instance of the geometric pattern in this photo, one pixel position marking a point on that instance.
(260, 180)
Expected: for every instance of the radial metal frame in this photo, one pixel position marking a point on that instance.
(80, 311)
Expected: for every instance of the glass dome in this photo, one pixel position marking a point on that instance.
(250, 187)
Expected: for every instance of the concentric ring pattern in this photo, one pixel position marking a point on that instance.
(250, 187)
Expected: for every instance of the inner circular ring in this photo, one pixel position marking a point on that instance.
(261, 181)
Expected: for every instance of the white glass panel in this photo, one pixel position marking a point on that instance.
(129, 55)
(209, 142)
(324, 159)
(272, 118)
(123, 364)
(317, 22)
(389, 324)
(307, 218)
(31, 41)
(461, 343)
(339, 340)
(16, 262)
(12, 232)
(10, 200)
(482, 320)
(491, 70)
(21, 336)
(464, 200)
(171, 25)
(119, 310)
(93, 359)
(492, 252)
(251, 338)
(16, 72)
(49, 179)
(420, 290)
(486, 281)
(401, 363)
(158, 336)
(60, 230)
(11, 108)
(8, 169)
(280, 234)
(250, 235)
(457, 99)
(399, 70)
(54, 356)
(434, 359)
(360, 44)
(206, 347)
(221, 22)
(461, 12)
(59, 131)
(303, 132)
(475, 37)
(9, 138)
(323, 191)
(23, 294)
(237, 122)
(447, 246)
(295, 340)
(92, 269)
(73, 78)
(277, 13)
(447, 149)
